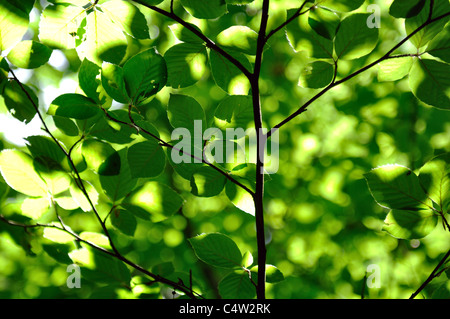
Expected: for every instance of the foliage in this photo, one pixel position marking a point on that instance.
(145, 212)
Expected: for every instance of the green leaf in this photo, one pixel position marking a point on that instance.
(185, 168)
(59, 252)
(397, 187)
(184, 34)
(342, 5)
(91, 86)
(224, 72)
(100, 267)
(406, 8)
(51, 172)
(104, 40)
(18, 171)
(108, 130)
(183, 111)
(239, 38)
(150, 2)
(74, 106)
(35, 208)
(354, 38)
(118, 186)
(205, 9)
(235, 111)
(324, 21)
(58, 25)
(146, 159)
(101, 157)
(237, 285)
(217, 250)
(57, 235)
(128, 17)
(29, 54)
(302, 37)
(430, 83)
(273, 274)
(316, 75)
(186, 63)
(207, 182)
(145, 74)
(394, 69)
(440, 46)
(239, 2)
(434, 176)
(124, 221)
(153, 201)
(113, 82)
(18, 102)
(43, 146)
(79, 197)
(14, 22)
(423, 36)
(96, 238)
(406, 224)
(240, 198)
(65, 125)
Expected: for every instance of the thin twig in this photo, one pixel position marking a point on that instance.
(289, 20)
(115, 252)
(435, 273)
(367, 67)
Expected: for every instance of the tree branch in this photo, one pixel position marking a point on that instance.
(261, 142)
(209, 43)
(435, 273)
(165, 144)
(334, 84)
(79, 183)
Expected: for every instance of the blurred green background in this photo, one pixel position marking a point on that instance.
(323, 226)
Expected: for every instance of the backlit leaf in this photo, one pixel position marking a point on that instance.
(406, 224)
(58, 25)
(146, 159)
(354, 38)
(153, 201)
(74, 106)
(423, 36)
(145, 74)
(434, 176)
(18, 102)
(13, 22)
(239, 38)
(18, 171)
(316, 75)
(205, 9)
(207, 182)
(186, 64)
(29, 54)
(430, 83)
(406, 8)
(237, 285)
(125, 14)
(397, 187)
(394, 69)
